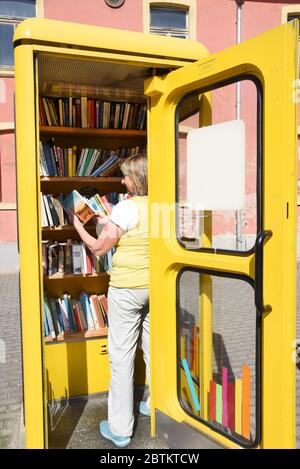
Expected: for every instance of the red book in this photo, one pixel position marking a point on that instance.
(231, 406)
(91, 113)
(212, 401)
(104, 303)
(103, 307)
(77, 318)
(96, 304)
(89, 261)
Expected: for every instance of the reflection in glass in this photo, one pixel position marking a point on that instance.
(219, 229)
(6, 40)
(217, 353)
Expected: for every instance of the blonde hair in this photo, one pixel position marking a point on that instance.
(136, 167)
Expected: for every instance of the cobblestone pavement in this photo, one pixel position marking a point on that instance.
(10, 350)
(10, 361)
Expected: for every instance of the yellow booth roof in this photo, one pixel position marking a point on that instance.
(83, 36)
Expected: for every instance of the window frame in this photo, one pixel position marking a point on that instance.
(188, 5)
(289, 10)
(168, 31)
(285, 12)
(9, 70)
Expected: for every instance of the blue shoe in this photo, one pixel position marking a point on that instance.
(143, 409)
(119, 441)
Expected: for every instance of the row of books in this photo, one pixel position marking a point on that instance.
(65, 314)
(55, 210)
(74, 161)
(91, 113)
(73, 257)
(53, 213)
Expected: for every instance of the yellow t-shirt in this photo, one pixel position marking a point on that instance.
(130, 262)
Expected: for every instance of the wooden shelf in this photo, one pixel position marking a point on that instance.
(92, 132)
(104, 138)
(63, 232)
(80, 179)
(49, 229)
(62, 184)
(62, 276)
(76, 336)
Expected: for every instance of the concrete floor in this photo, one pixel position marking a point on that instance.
(74, 424)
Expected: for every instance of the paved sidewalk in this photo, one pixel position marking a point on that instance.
(11, 435)
(10, 361)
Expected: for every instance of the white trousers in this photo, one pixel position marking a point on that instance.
(128, 318)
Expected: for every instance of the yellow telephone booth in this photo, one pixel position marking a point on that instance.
(222, 312)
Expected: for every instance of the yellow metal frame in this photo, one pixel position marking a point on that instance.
(32, 37)
(272, 58)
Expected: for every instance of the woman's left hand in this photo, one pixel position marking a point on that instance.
(76, 222)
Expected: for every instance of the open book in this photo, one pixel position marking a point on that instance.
(77, 204)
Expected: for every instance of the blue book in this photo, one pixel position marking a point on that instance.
(105, 165)
(66, 112)
(69, 312)
(48, 158)
(49, 317)
(60, 320)
(56, 323)
(87, 310)
(46, 327)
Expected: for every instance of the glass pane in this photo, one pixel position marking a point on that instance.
(20, 8)
(198, 227)
(6, 44)
(168, 18)
(217, 353)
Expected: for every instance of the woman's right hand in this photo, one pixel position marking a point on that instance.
(101, 218)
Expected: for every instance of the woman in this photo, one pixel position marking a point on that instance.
(128, 296)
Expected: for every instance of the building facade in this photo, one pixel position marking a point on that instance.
(217, 24)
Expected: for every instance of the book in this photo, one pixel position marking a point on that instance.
(76, 204)
(77, 258)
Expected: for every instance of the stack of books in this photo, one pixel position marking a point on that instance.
(73, 257)
(67, 315)
(74, 161)
(91, 113)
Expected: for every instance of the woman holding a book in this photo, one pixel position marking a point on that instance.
(128, 296)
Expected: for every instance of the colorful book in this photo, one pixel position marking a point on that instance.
(76, 204)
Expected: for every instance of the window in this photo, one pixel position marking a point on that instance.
(11, 14)
(176, 18)
(294, 16)
(172, 21)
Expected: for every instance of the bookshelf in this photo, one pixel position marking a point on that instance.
(82, 353)
(57, 136)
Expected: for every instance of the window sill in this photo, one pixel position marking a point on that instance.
(6, 206)
(7, 73)
(7, 127)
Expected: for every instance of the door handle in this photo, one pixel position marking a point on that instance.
(263, 236)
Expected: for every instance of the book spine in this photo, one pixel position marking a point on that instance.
(76, 259)
(84, 112)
